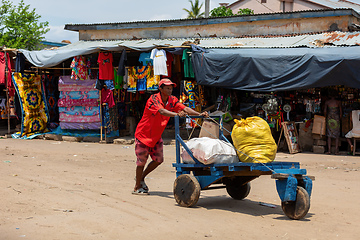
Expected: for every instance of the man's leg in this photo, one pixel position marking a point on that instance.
(157, 156)
(151, 166)
(139, 173)
(142, 154)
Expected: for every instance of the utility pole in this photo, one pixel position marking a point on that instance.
(207, 8)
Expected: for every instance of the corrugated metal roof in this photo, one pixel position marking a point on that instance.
(337, 4)
(54, 56)
(303, 40)
(214, 20)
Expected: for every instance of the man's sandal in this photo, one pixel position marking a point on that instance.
(144, 186)
(140, 191)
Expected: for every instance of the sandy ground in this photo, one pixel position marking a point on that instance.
(68, 190)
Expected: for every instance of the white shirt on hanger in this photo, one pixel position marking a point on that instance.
(159, 61)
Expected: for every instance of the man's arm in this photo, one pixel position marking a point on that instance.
(167, 113)
(192, 112)
(183, 113)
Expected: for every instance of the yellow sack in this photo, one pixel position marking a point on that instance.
(253, 137)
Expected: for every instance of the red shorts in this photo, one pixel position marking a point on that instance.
(142, 152)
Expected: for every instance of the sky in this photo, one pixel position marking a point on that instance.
(58, 13)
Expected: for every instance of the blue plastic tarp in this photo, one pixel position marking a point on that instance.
(278, 69)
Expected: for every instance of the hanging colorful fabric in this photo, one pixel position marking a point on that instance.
(79, 68)
(152, 81)
(34, 110)
(142, 78)
(190, 87)
(132, 79)
(52, 96)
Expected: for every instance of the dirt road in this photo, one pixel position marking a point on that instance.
(77, 191)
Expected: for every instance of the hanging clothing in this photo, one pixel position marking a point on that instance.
(110, 118)
(118, 81)
(142, 79)
(122, 62)
(100, 84)
(177, 62)
(20, 63)
(79, 68)
(3, 67)
(169, 61)
(107, 97)
(188, 67)
(52, 95)
(10, 85)
(105, 61)
(145, 58)
(159, 61)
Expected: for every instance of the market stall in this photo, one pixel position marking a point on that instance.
(282, 85)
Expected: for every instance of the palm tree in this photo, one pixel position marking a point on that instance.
(195, 10)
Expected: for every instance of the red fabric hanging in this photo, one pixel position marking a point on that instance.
(10, 85)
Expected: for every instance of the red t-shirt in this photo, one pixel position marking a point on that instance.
(106, 71)
(152, 123)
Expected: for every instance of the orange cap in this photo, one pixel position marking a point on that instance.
(167, 82)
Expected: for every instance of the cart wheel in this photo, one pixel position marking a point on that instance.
(299, 208)
(186, 190)
(238, 192)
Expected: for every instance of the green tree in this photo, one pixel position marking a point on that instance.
(225, 12)
(20, 26)
(245, 11)
(221, 12)
(194, 12)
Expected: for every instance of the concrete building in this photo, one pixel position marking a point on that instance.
(236, 26)
(272, 6)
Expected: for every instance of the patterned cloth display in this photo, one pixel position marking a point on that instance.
(142, 78)
(82, 126)
(78, 104)
(79, 114)
(52, 96)
(65, 88)
(34, 110)
(79, 94)
(65, 117)
(110, 118)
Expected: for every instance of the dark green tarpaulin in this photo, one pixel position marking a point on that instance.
(278, 69)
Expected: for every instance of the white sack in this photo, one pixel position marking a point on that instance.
(208, 150)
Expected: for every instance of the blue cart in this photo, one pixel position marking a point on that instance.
(292, 184)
